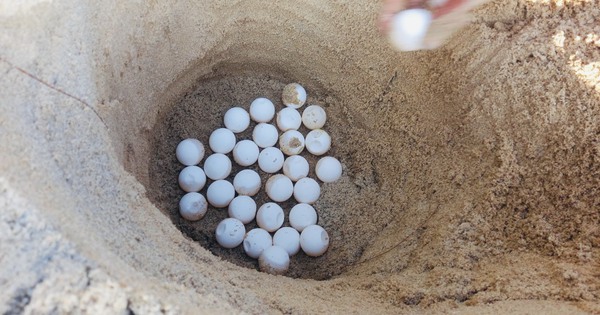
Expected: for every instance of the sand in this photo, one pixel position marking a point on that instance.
(471, 173)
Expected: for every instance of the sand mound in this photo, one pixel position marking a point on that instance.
(471, 173)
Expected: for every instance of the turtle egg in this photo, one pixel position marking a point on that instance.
(265, 135)
(288, 119)
(317, 142)
(274, 260)
(242, 208)
(193, 206)
(328, 169)
(307, 190)
(221, 140)
(262, 110)
(314, 240)
(245, 153)
(247, 183)
(190, 152)
(279, 188)
(230, 233)
(192, 178)
(270, 216)
(295, 167)
(294, 95)
(217, 166)
(408, 29)
(302, 215)
(256, 241)
(288, 239)
(270, 160)
(314, 117)
(236, 119)
(220, 193)
(291, 142)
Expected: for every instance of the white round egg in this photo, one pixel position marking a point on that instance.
(314, 117)
(279, 188)
(314, 240)
(294, 95)
(217, 166)
(190, 152)
(274, 260)
(288, 119)
(256, 241)
(270, 217)
(220, 193)
(302, 215)
(193, 206)
(265, 135)
(295, 167)
(245, 153)
(236, 119)
(262, 110)
(192, 178)
(328, 169)
(409, 28)
(247, 183)
(221, 140)
(288, 239)
(291, 142)
(230, 233)
(317, 142)
(270, 160)
(242, 208)
(307, 190)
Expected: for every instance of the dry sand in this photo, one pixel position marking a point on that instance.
(471, 173)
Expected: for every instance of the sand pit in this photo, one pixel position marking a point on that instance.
(471, 173)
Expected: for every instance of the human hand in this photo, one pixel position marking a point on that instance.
(391, 7)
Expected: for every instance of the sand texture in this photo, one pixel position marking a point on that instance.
(471, 176)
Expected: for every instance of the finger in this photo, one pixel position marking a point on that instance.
(446, 8)
(391, 7)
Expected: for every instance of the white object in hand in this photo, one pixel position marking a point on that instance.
(408, 29)
(279, 188)
(318, 142)
(314, 117)
(294, 95)
(288, 239)
(217, 166)
(262, 110)
(295, 167)
(245, 153)
(247, 183)
(265, 135)
(307, 190)
(328, 169)
(256, 241)
(192, 178)
(242, 208)
(237, 119)
(221, 140)
(302, 215)
(193, 206)
(314, 240)
(190, 152)
(274, 260)
(291, 142)
(230, 233)
(270, 160)
(288, 119)
(270, 217)
(220, 193)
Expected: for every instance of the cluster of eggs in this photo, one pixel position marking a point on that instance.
(272, 251)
